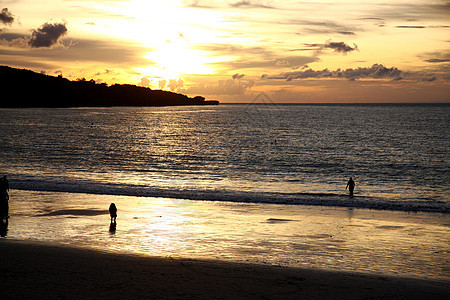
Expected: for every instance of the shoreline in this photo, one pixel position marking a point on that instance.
(334, 201)
(54, 271)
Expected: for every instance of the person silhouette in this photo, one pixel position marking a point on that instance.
(4, 198)
(113, 212)
(351, 186)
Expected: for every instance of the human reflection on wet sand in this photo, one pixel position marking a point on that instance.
(4, 205)
(3, 227)
(113, 214)
(112, 227)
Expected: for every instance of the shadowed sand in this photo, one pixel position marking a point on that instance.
(55, 272)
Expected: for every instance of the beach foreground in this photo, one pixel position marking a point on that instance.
(37, 270)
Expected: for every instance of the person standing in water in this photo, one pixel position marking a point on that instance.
(351, 186)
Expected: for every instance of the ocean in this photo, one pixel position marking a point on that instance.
(251, 183)
(259, 153)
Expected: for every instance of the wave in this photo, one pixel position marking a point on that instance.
(316, 199)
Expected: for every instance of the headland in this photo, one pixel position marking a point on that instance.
(31, 89)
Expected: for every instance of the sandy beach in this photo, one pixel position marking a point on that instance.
(34, 270)
(59, 246)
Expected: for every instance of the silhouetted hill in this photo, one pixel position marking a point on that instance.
(30, 89)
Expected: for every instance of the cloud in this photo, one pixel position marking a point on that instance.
(437, 57)
(430, 79)
(392, 11)
(14, 40)
(175, 84)
(339, 47)
(197, 4)
(162, 84)
(249, 4)
(101, 53)
(322, 27)
(254, 57)
(145, 82)
(221, 87)
(410, 26)
(377, 71)
(346, 32)
(47, 35)
(234, 50)
(275, 62)
(437, 60)
(6, 17)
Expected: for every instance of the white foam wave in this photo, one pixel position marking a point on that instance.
(321, 199)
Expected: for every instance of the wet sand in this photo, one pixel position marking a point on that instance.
(332, 239)
(36, 270)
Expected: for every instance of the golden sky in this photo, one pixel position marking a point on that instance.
(235, 50)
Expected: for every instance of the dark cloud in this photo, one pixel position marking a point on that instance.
(346, 32)
(437, 57)
(437, 60)
(410, 26)
(47, 35)
(377, 71)
(430, 79)
(372, 19)
(339, 47)
(6, 17)
(238, 76)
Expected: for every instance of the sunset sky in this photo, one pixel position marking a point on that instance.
(236, 50)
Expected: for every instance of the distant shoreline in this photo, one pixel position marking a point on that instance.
(33, 90)
(343, 103)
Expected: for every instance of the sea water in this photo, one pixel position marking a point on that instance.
(250, 183)
(292, 154)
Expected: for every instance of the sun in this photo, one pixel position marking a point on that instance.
(170, 30)
(176, 57)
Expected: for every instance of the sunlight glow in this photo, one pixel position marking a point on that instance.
(169, 30)
(174, 58)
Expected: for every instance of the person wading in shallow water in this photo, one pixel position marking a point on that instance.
(351, 186)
